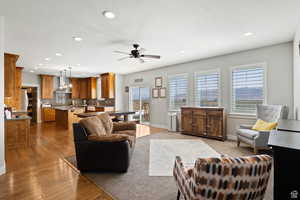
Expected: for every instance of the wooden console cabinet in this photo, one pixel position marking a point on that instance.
(203, 121)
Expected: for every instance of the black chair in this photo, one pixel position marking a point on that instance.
(100, 155)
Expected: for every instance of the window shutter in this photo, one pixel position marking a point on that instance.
(178, 93)
(206, 89)
(247, 89)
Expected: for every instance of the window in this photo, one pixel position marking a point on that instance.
(248, 88)
(207, 88)
(178, 91)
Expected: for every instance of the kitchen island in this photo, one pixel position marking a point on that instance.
(65, 116)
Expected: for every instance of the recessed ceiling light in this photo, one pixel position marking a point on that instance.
(77, 39)
(182, 51)
(58, 54)
(47, 59)
(248, 34)
(40, 64)
(31, 71)
(35, 68)
(108, 14)
(78, 64)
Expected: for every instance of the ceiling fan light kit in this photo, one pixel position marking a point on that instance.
(137, 53)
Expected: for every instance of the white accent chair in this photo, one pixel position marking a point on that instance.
(259, 139)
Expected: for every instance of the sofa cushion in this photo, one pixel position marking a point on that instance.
(131, 133)
(113, 138)
(122, 126)
(93, 125)
(107, 122)
(248, 133)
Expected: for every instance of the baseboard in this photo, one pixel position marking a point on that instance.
(159, 126)
(231, 137)
(2, 170)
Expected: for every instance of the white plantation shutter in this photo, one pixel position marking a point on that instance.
(247, 89)
(178, 91)
(206, 86)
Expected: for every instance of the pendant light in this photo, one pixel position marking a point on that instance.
(70, 82)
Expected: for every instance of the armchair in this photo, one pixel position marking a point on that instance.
(110, 152)
(223, 178)
(259, 139)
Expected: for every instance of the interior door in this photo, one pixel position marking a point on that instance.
(139, 101)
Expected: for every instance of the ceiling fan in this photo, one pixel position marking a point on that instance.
(137, 53)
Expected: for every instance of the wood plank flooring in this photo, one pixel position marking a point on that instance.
(41, 173)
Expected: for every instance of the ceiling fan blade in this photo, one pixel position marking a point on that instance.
(124, 58)
(141, 50)
(141, 60)
(122, 52)
(151, 56)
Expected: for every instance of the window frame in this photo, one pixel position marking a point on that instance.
(206, 72)
(168, 90)
(265, 91)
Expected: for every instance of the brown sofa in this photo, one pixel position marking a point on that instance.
(110, 151)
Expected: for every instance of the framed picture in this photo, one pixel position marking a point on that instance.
(163, 92)
(158, 82)
(155, 92)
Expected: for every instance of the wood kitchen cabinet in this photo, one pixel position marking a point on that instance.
(75, 88)
(18, 92)
(108, 85)
(84, 88)
(47, 87)
(10, 78)
(48, 114)
(203, 121)
(17, 133)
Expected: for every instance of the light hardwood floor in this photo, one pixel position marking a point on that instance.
(40, 172)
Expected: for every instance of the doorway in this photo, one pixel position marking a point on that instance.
(139, 101)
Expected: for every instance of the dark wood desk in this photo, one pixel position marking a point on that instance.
(112, 113)
(289, 125)
(286, 150)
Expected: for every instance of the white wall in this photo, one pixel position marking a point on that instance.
(119, 102)
(279, 62)
(297, 74)
(33, 80)
(2, 160)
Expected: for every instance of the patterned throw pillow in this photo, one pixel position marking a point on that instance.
(93, 125)
(107, 122)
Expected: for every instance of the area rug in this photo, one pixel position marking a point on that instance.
(136, 184)
(164, 151)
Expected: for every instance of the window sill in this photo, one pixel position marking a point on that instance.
(241, 116)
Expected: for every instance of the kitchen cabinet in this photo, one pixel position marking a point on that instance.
(75, 88)
(47, 88)
(83, 93)
(10, 74)
(108, 85)
(84, 88)
(48, 114)
(18, 92)
(92, 88)
(203, 121)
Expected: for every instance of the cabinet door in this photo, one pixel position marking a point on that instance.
(92, 88)
(215, 123)
(186, 121)
(108, 85)
(47, 87)
(83, 88)
(17, 133)
(48, 114)
(9, 74)
(75, 88)
(199, 122)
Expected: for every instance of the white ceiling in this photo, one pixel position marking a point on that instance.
(37, 29)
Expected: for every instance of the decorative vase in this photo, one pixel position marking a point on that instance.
(24, 100)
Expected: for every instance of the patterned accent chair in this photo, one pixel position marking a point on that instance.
(259, 139)
(223, 178)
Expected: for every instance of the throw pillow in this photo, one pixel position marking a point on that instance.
(262, 125)
(107, 122)
(93, 125)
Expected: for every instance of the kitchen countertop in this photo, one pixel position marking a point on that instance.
(111, 113)
(19, 118)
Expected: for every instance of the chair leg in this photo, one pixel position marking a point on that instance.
(255, 150)
(178, 195)
(238, 142)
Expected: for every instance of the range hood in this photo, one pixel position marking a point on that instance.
(62, 83)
